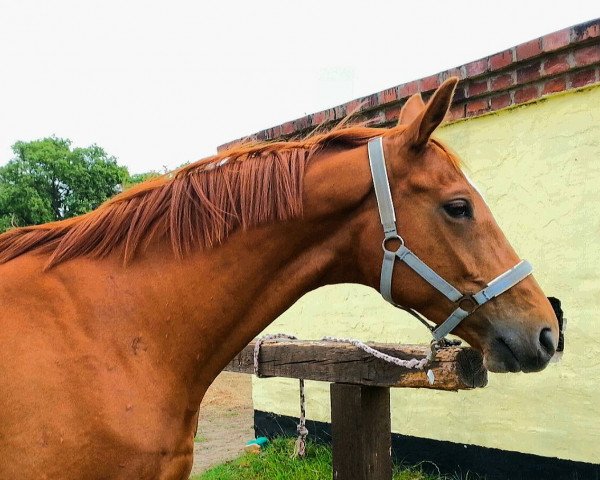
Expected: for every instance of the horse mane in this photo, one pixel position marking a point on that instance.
(198, 205)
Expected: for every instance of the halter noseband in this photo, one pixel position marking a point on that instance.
(499, 285)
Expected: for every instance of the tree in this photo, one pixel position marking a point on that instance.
(47, 180)
(136, 178)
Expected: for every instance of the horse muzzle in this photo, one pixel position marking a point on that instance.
(511, 352)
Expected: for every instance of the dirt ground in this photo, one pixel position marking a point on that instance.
(226, 421)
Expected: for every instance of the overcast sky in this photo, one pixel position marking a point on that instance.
(160, 83)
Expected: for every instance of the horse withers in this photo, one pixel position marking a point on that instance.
(115, 323)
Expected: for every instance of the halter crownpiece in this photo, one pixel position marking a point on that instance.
(496, 287)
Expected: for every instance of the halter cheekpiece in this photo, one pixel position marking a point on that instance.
(499, 285)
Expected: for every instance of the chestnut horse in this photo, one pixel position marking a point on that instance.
(115, 323)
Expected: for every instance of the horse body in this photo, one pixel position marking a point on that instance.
(83, 399)
(114, 382)
(105, 363)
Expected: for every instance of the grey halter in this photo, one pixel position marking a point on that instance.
(496, 287)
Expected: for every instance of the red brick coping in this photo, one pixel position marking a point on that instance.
(559, 61)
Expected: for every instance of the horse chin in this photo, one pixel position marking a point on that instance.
(502, 357)
(495, 364)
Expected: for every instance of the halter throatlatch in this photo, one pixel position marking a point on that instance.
(499, 285)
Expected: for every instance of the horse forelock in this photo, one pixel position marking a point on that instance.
(197, 206)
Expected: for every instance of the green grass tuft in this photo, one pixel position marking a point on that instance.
(275, 463)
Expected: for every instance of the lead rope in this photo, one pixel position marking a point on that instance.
(300, 445)
(413, 364)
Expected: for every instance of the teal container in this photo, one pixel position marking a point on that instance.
(260, 441)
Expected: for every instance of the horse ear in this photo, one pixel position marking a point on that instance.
(411, 109)
(420, 128)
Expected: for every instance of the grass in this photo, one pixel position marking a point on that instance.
(275, 463)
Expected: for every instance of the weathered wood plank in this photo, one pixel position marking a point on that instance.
(360, 432)
(455, 368)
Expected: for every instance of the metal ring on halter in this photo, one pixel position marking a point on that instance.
(471, 303)
(392, 237)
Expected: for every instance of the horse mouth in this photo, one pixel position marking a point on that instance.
(504, 356)
(500, 358)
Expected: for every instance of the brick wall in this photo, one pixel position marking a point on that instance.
(569, 58)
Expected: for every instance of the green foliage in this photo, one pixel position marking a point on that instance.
(47, 180)
(6, 222)
(136, 178)
(275, 463)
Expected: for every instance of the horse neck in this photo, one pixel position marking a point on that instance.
(207, 307)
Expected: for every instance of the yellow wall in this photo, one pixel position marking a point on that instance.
(539, 168)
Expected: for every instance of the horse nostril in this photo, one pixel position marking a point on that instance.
(547, 341)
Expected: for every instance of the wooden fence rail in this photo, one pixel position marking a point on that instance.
(360, 396)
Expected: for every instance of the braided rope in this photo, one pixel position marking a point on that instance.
(300, 445)
(266, 338)
(412, 364)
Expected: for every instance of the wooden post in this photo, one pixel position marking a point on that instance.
(361, 432)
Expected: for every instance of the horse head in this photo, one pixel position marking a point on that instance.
(444, 223)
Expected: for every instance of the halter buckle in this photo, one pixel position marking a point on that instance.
(434, 345)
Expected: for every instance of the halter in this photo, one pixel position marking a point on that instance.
(496, 287)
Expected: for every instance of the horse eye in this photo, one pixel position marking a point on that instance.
(459, 209)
